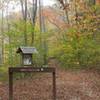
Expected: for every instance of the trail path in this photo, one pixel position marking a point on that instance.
(71, 85)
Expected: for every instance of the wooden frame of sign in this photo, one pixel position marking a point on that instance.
(13, 70)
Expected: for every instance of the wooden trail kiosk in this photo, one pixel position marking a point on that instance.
(26, 55)
(30, 69)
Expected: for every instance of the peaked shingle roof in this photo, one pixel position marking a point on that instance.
(27, 50)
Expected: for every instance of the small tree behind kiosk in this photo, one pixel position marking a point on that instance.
(26, 55)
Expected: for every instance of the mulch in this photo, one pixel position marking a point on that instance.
(71, 85)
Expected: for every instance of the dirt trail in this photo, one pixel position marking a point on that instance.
(71, 85)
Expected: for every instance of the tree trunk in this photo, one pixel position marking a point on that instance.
(24, 13)
(34, 19)
(76, 15)
(43, 44)
(2, 31)
(9, 37)
(66, 12)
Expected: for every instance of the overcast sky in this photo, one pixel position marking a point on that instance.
(13, 8)
(48, 2)
(18, 7)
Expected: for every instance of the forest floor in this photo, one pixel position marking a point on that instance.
(71, 85)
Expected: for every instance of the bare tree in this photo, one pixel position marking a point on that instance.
(32, 15)
(33, 19)
(65, 5)
(43, 42)
(9, 36)
(24, 13)
(2, 39)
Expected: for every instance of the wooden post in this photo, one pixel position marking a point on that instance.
(54, 86)
(31, 70)
(10, 85)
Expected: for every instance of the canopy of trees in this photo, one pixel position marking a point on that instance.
(68, 31)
